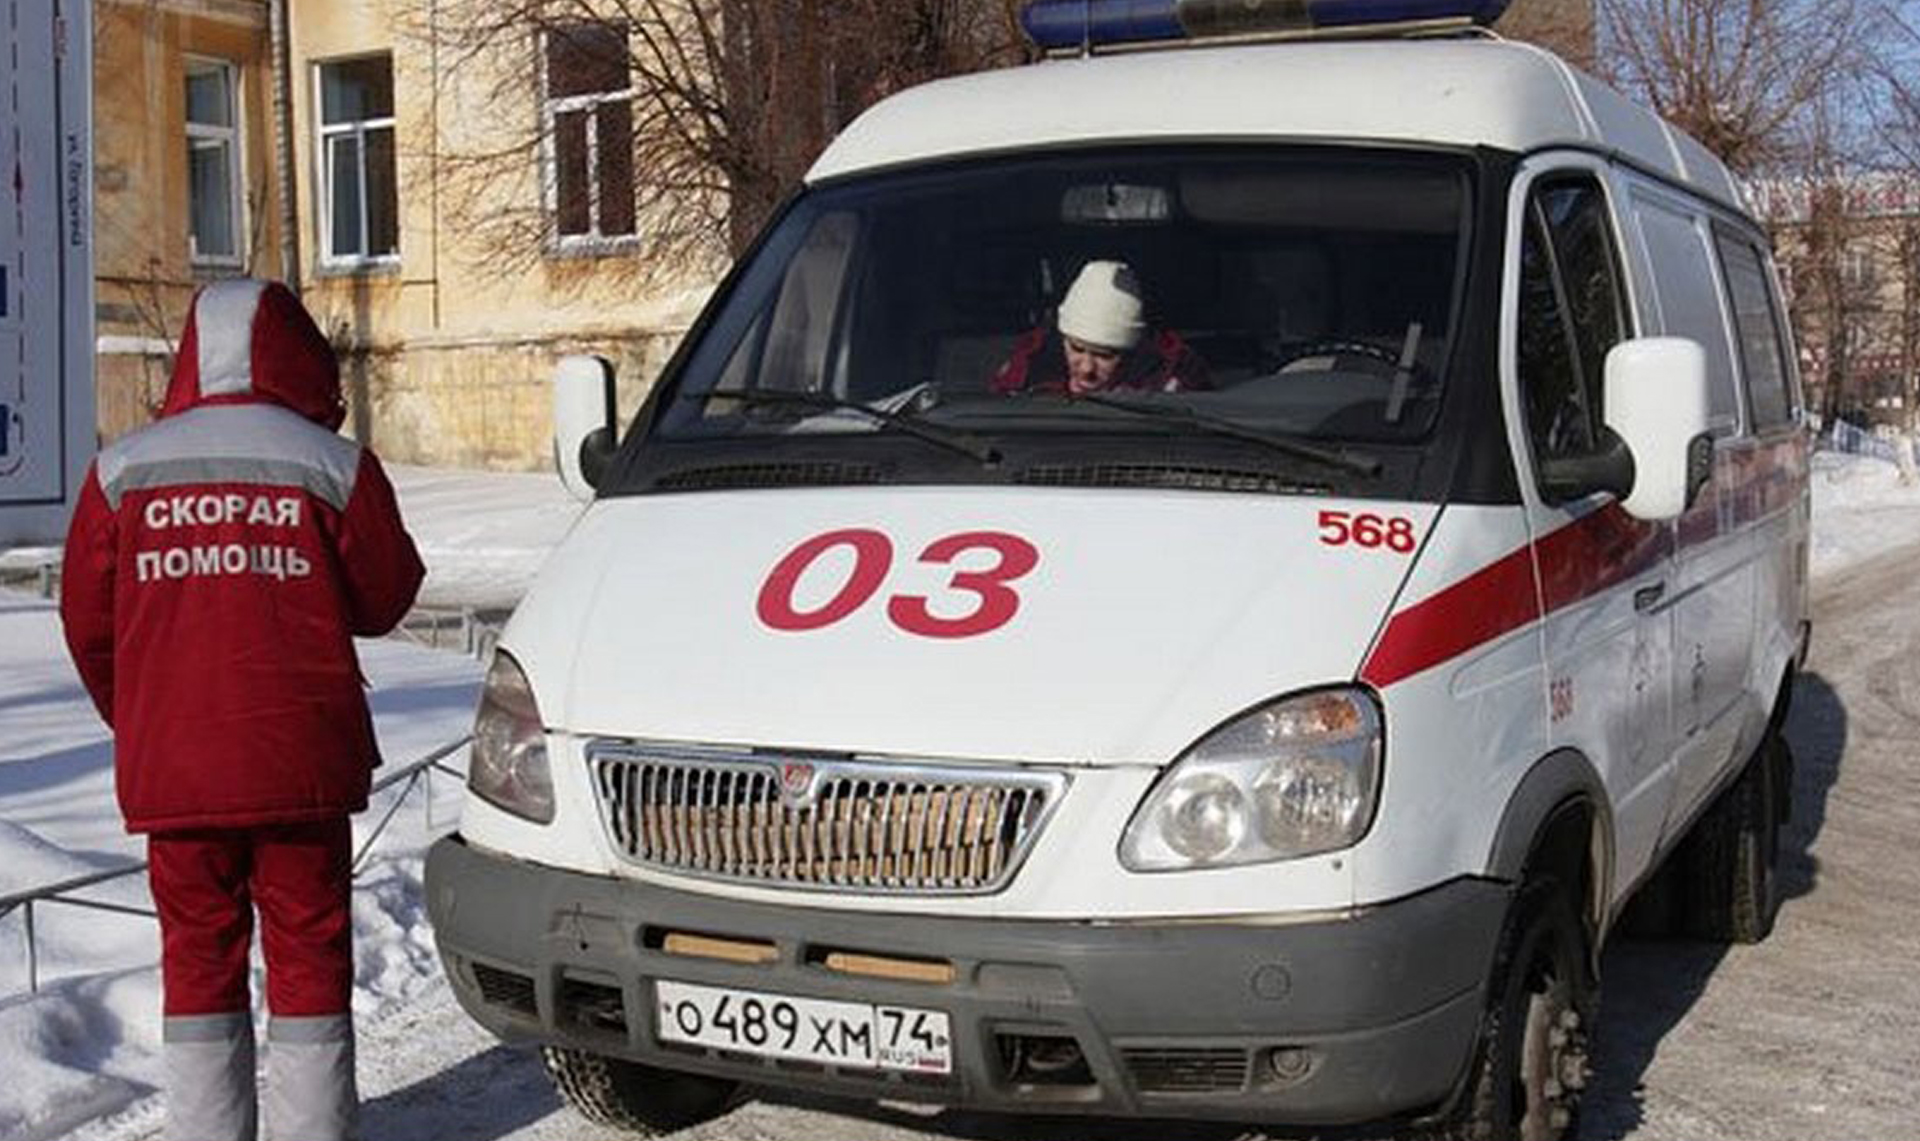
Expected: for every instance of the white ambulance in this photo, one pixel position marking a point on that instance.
(1188, 580)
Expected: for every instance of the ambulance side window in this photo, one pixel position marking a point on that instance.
(1762, 350)
(1685, 282)
(1571, 314)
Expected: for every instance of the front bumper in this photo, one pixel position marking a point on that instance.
(1336, 1021)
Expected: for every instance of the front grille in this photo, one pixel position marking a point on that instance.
(1180, 477)
(1189, 1070)
(867, 825)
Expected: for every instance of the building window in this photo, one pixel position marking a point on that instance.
(1856, 264)
(214, 209)
(589, 112)
(358, 196)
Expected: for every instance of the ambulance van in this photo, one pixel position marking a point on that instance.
(1195, 578)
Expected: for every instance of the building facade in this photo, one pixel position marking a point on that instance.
(1849, 254)
(446, 346)
(1566, 26)
(339, 155)
(182, 179)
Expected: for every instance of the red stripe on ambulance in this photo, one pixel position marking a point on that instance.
(1579, 560)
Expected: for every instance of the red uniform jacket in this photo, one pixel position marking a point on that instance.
(218, 565)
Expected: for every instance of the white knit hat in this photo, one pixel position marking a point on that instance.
(1103, 307)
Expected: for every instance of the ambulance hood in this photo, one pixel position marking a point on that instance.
(832, 620)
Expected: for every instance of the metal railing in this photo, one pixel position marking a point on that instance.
(414, 774)
(471, 629)
(34, 568)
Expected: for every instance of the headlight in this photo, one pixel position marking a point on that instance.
(509, 767)
(1290, 779)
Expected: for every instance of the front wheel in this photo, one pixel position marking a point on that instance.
(1532, 1060)
(642, 1100)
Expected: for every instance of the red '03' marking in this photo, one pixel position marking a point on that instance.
(873, 558)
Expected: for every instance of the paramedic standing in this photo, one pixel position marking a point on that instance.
(219, 564)
(1101, 343)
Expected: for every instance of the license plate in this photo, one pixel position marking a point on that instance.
(808, 1029)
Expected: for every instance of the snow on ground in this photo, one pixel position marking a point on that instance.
(82, 1054)
(483, 535)
(1860, 508)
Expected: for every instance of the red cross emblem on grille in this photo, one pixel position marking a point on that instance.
(796, 782)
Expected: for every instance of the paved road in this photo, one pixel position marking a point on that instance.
(1814, 1034)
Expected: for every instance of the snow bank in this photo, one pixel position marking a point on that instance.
(1860, 509)
(483, 535)
(84, 1048)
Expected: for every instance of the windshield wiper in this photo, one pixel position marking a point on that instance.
(966, 445)
(1357, 462)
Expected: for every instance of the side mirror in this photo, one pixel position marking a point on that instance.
(1657, 404)
(583, 416)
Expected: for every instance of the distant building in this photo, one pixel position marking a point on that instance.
(1566, 26)
(447, 344)
(1849, 253)
(182, 178)
(446, 357)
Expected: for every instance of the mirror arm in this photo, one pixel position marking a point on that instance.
(596, 455)
(1608, 467)
(1699, 465)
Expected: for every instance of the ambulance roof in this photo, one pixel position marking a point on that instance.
(1462, 92)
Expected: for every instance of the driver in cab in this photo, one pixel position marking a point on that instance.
(1101, 343)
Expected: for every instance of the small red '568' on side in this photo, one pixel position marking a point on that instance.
(873, 558)
(1340, 528)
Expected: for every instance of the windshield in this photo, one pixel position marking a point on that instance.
(1309, 294)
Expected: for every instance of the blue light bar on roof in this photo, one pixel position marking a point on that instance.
(1058, 24)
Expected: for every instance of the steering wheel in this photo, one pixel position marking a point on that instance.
(1372, 352)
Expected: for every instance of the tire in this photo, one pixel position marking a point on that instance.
(1732, 858)
(642, 1100)
(1655, 910)
(1532, 1062)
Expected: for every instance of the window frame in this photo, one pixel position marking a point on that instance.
(323, 135)
(1725, 235)
(593, 242)
(1701, 217)
(1540, 173)
(234, 136)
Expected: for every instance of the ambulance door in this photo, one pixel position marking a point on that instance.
(1604, 575)
(1714, 573)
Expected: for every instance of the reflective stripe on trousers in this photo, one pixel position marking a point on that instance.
(310, 1091)
(209, 1065)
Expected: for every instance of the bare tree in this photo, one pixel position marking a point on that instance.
(1897, 67)
(1565, 27)
(1739, 75)
(1791, 94)
(730, 102)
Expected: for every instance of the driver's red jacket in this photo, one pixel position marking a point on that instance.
(1161, 362)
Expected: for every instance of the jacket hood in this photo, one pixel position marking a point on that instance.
(250, 341)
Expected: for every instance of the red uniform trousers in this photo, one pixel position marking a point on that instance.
(206, 883)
